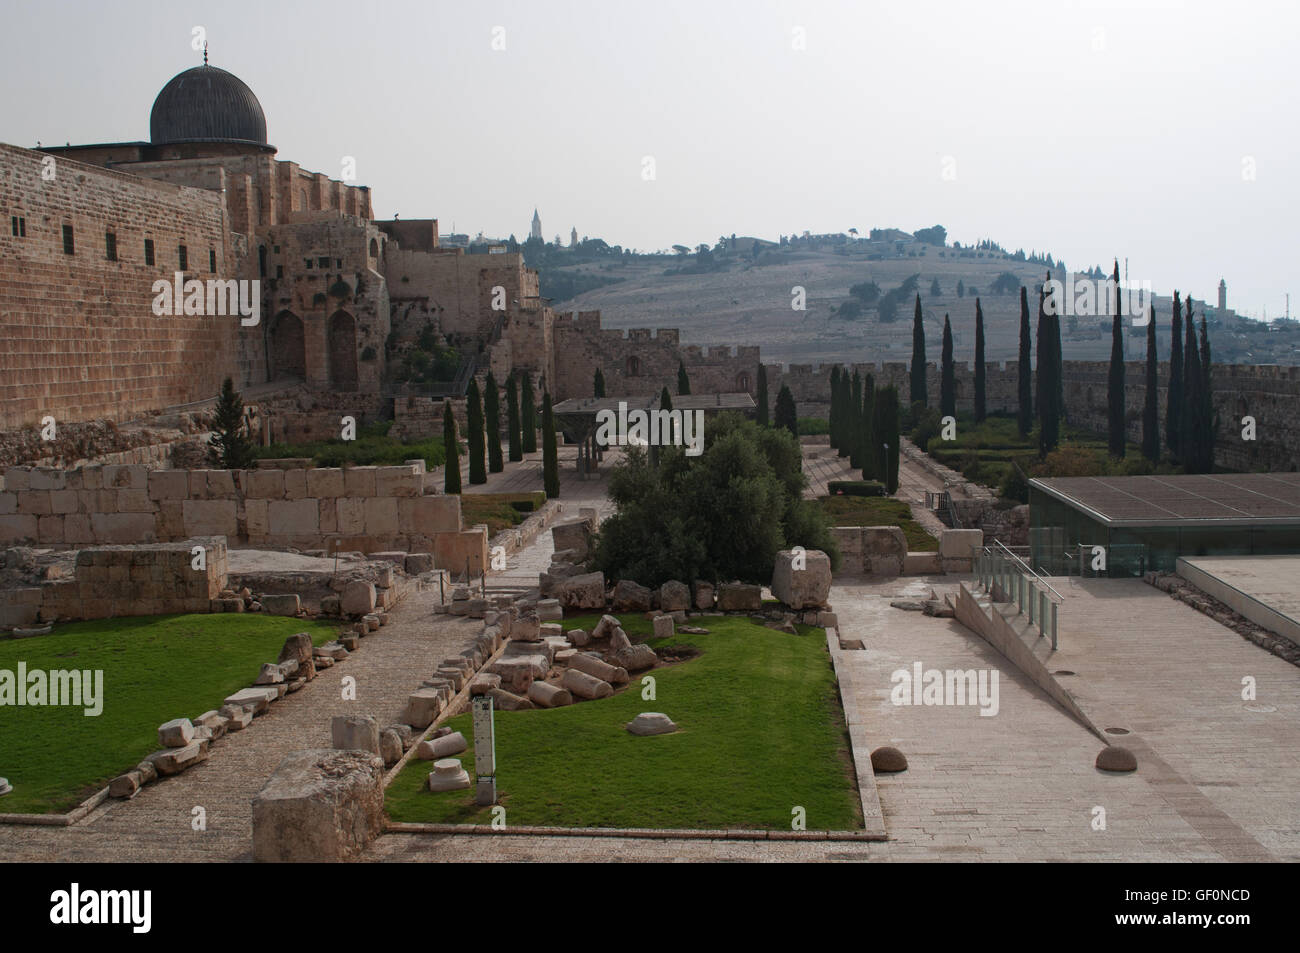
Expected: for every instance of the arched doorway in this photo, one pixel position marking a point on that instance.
(343, 351)
(287, 348)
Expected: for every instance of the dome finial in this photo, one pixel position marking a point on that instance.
(205, 52)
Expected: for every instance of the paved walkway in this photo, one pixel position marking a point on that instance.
(155, 824)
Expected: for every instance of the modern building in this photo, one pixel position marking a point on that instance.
(1145, 523)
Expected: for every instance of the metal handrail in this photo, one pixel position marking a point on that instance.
(1029, 569)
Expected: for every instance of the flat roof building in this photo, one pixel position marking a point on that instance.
(1147, 522)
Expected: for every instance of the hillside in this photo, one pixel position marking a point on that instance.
(750, 303)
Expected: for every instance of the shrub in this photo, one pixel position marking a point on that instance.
(855, 488)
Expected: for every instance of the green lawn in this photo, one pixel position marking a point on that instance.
(761, 731)
(155, 668)
(878, 511)
(372, 447)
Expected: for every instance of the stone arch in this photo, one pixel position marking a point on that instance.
(374, 248)
(302, 194)
(742, 382)
(343, 351)
(633, 366)
(286, 347)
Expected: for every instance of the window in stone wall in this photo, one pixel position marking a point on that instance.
(308, 261)
(183, 257)
(212, 260)
(68, 247)
(374, 248)
(276, 249)
(110, 246)
(148, 251)
(323, 261)
(338, 263)
(261, 261)
(633, 367)
(279, 271)
(19, 226)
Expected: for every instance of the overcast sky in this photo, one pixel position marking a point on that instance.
(1162, 131)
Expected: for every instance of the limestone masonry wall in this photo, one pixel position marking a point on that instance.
(366, 509)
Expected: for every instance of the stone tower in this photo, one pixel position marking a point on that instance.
(573, 238)
(1223, 295)
(536, 231)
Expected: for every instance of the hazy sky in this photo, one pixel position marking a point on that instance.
(1089, 130)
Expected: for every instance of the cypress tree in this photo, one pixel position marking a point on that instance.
(1115, 381)
(598, 385)
(229, 447)
(835, 407)
(474, 414)
(1174, 402)
(981, 406)
(1191, 441)
(918, 357)
(785, 414)
(762, 396)
(855, 422)
(947, 378)
(889, 435)
(492, 406)
(844, 416)
(683, 382)
(451, 481)
(550, 452)
(512, 420)
(868, 418)
(528, 415)
(1151, 407)
(1049, 419)
(1207, 413)
(1025, 390)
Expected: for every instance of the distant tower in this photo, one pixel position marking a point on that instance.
(573, 238)
(1223, 295)
(536, 231)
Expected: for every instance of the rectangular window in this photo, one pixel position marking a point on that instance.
(183, 256)
(212, 260)
(277, 249)
(279, 271)
(68, 247)
(338, 263)
(110, 246)
(323, 262)
(22, 227)
(148, 251)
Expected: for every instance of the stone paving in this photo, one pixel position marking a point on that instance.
(155, 824)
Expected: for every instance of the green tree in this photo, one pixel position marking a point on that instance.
(981, 406)
(451, 447)
(961, 288)
(1206, 412)
(887, 433)
(785, 415)
(529, 416)
(477, 446)
(512, 420)
(1115, 380)
(229, 447)
(1174, 401)
(947, 374)
(683, 382)
(835, 408)
(492, 406)
(550, 452)
(867, 422)
(598, 386)
(935, 290)
(1025, 388)
(918, 387)
(854, 422)
(761, 398)
(1151, 405)
(1049, 416)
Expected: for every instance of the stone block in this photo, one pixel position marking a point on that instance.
(629, 596)
(294, 517)
(422, 706)
(210, 518)
(357, 598)
(289, 604)
(359, 481)
(400, 481)
(674, 596)
(574, 535)
(586, 591)
(484, 682)
(922, 564)
(381, 516)
(295, 484)
(351, 515)
(802, 579)
(355, 731)
(739, 597)
(417, 563)
(264, 484)
(325, 483)
(320, 805)
(176, 733)
(171, 761)
(256, 698)
(663, 627)
(959, 543)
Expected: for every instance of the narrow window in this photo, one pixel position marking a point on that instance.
(308, 261)
(110, 246)
(22, 227)
(212, 260)
(323, 262)
(14, 220)
(148, 251)
(279, 271)
(338, 263)
(68, 247)
(183, 256)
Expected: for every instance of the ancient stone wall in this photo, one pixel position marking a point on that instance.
(80, 337)
(366, 509)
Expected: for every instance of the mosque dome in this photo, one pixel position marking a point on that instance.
(207, 104)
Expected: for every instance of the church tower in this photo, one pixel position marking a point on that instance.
(536, 231)
(1223, 295)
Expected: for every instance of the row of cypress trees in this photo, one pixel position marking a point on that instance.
(483, 438)
(864, 425)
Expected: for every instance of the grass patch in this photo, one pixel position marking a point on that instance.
(155, 668)
(373, 447)
(761, 732)
(878, 511)
(497, 514)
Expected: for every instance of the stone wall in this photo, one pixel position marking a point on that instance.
(113, 581)
(366, 509)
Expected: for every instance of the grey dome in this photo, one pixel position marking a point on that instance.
(206, 103)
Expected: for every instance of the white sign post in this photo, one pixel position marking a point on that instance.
(485, 751)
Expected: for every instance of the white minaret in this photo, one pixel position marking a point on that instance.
(536, 231)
